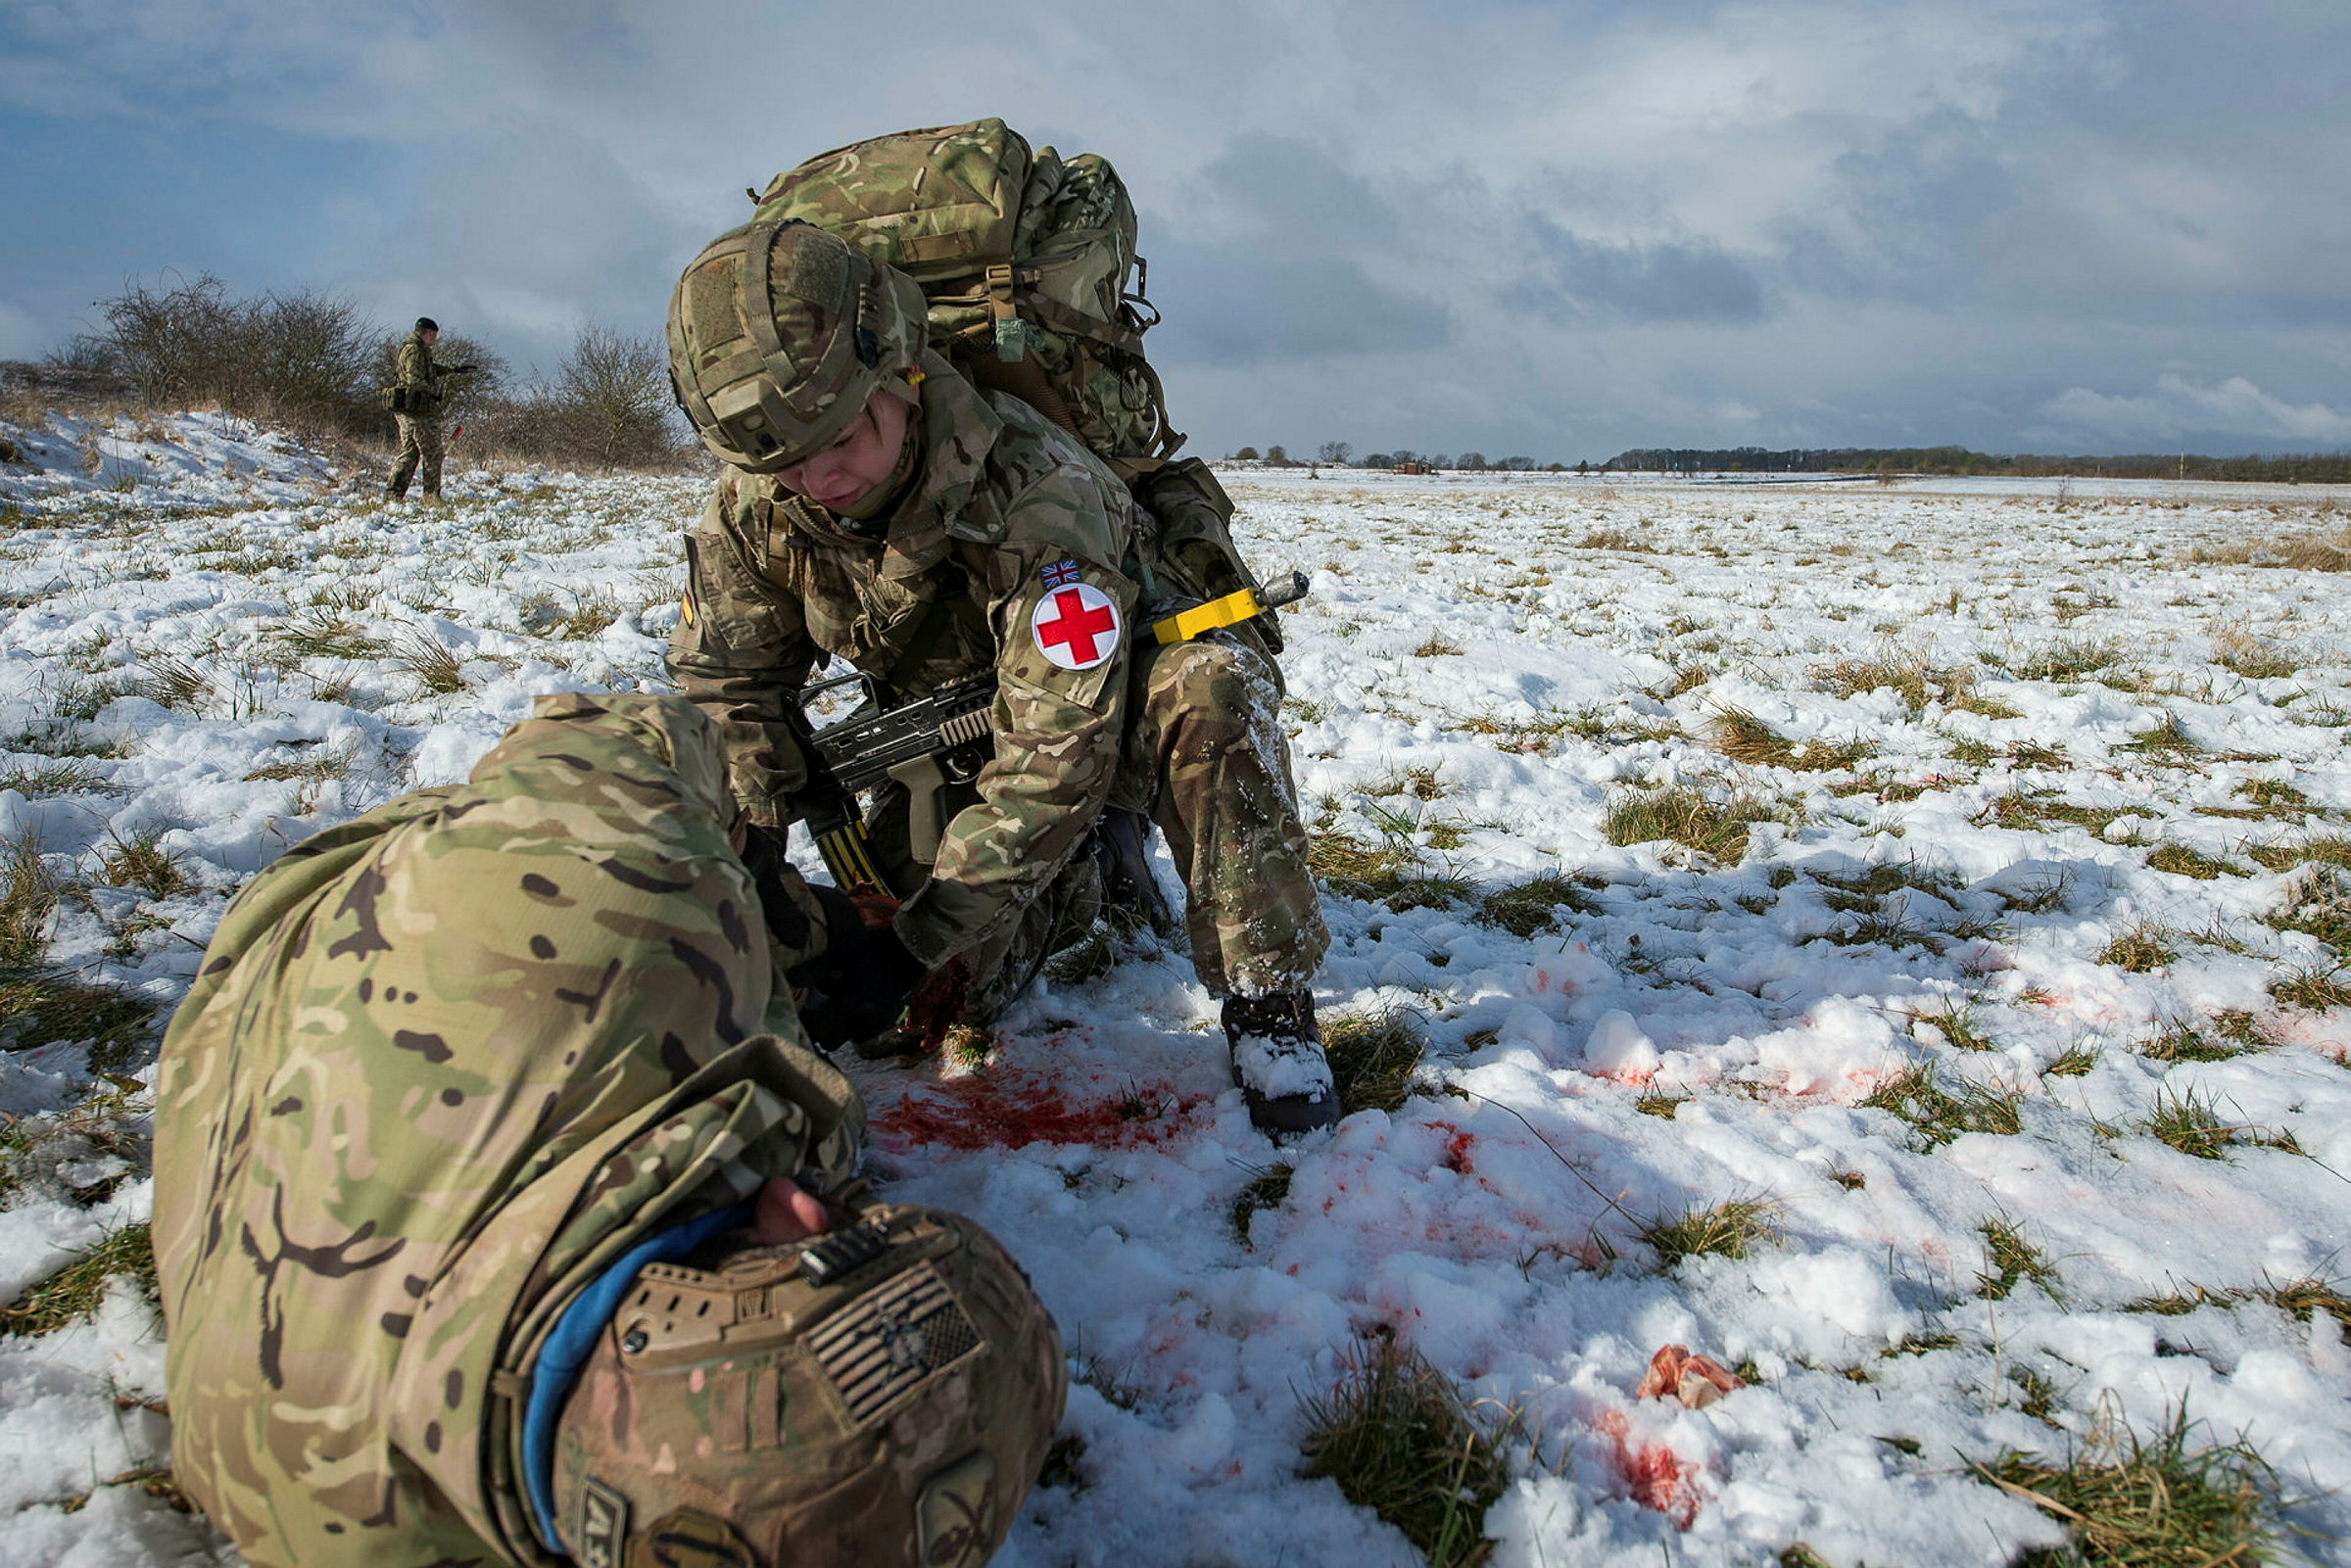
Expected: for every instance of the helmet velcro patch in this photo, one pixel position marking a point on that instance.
(710, 306)
(897, 1341)
(820, 272)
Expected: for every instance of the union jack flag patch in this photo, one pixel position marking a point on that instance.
(1061, 574)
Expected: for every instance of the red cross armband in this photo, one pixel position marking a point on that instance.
(1067, 635)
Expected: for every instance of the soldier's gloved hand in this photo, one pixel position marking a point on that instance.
(862, 979)
(763, 856)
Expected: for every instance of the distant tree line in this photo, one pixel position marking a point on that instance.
(317, 365)
(2299, 468)
(1341, 454)
(2317, 469)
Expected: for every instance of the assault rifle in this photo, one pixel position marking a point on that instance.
(932, 741)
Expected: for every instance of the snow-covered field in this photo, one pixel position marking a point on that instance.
(1988, 1013)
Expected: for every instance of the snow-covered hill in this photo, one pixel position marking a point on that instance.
(1927, 892)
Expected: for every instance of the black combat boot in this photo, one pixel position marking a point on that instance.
(1277, 1061)
(1130, 895)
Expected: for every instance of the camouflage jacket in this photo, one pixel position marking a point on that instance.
(440, 1066)
(1007, 519)
(417, 374)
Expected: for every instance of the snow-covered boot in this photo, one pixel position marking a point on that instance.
(1277, 1061)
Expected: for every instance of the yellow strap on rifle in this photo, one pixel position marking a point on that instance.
(848, 859)
(1230, 610)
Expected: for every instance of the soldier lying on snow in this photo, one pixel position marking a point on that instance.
(881, 508)
(503, 1214)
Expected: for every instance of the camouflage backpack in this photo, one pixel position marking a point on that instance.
(1024, 259)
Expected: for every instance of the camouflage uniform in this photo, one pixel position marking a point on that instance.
(420, 428)
(1004, 514)
(442, 1064)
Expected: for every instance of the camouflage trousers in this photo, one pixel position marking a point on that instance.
(420, 446)
(1205, 757)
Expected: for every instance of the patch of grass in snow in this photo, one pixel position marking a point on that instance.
(84, 1150)
(2190, 1123)
(173, 683)
(72, 777)
(27, 897)
(2317, 905)
(1957, 1023)
(2297, 1298)
(1660, 1106)
(2274, 797)
(39, 1007)
(75, 1290)
(1939, 1114)
(1687, 815)
(2241, 652)
(2316, 987)
(2331, 849)
(1268, 1189)
(1064, 1469)
(1615, 538)
(1388, 872)
(2303, 552)
(2031, 810)
(324, 633)
(1891, 927)
(1420, 784)
(1725, 1229)
(1435, 648)
(2071, 658)
(2033, 754)
(1909, 675)
(1743, 738)
(2179, 1040)
(2075, 1062)
(1373, 1058)
(2180, 861)
(2142, 949)
(2156, 1504)
(2168, 743)
(140, 860)
(1400, 1439)
(1534, 905)
(2012, 1259)
(588, 614)
(314, 770)
(437, 669)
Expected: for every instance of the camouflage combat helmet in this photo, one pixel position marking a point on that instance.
(882, 1394)
(778, 333)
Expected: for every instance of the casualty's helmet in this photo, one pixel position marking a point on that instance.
(778, 333)
(882, 1394)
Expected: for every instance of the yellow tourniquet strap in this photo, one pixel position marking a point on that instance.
(1230, 610)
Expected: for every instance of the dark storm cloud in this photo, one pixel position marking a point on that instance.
(1246, 306)
(1273, 258)
(1571, 277)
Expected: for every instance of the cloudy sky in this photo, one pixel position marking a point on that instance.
(1549, 227)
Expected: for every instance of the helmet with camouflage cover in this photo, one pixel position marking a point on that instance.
(882, 1394)
(779, 332)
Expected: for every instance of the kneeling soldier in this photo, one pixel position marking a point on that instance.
(503, 1214)
(881, 508)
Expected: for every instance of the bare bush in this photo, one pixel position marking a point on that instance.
(299, 360)
(610, 404)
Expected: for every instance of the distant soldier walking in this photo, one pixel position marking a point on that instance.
(417, 398)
